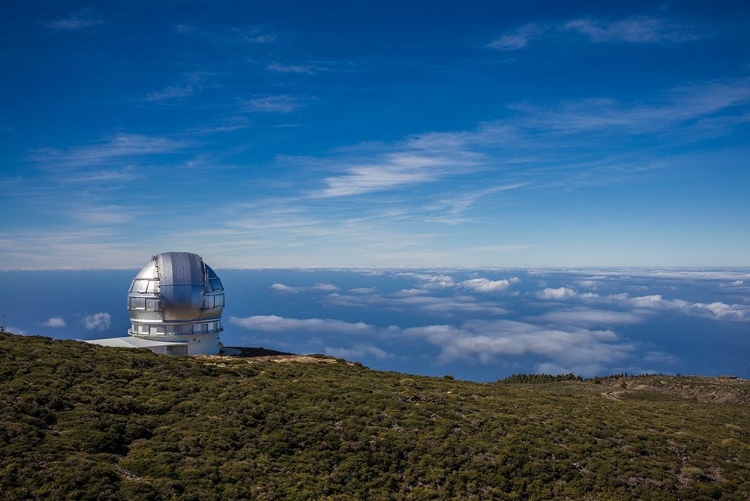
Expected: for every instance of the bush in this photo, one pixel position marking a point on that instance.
(90, 422)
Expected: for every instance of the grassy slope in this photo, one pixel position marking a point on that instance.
(79, 421)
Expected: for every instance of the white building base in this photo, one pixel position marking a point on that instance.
(197, 344)
(194, 344)
(160, 347)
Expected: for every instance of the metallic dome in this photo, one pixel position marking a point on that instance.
(177, 296)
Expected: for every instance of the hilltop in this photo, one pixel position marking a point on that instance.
(80, 421)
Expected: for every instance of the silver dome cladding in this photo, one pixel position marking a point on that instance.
(182, 279)
(175, 287)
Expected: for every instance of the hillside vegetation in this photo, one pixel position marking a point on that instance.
(79, 421)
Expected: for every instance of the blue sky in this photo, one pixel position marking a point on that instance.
(375, 134)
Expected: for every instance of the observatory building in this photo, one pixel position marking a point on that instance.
(175, 304)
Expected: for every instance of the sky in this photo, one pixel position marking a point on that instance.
(358, 134)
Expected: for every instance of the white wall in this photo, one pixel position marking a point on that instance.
(205, 344)
(198, 344)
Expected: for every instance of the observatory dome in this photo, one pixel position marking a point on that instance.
(177, 297)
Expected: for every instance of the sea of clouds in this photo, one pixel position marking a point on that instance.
(473, 324)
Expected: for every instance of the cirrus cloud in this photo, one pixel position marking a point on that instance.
(633, 30)
(518, 38)
(637, 30)
(282, 103)
(74, 21)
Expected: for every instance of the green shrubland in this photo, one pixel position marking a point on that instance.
(80, 421)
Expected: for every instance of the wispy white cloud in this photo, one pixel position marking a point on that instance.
(282, 103)
(632, 30)
(98, 321)
(74, 21)
(643, 29)
(55, 322)
(229, 124)
(390, 235)
(678, 106)
(66, 247)
(450, 209)
(295, 68)
(127, 173)
(190, 84)
(251, 34)
(117, 147)
(332, 238)
(262, 39)
(418, 159)
(518, 38)
(541, 139)
(392, 171)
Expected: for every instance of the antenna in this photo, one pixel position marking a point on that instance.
(2, 327)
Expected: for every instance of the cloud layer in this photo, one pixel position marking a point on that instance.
(571, 349)
(469, 319)
(716, 310)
